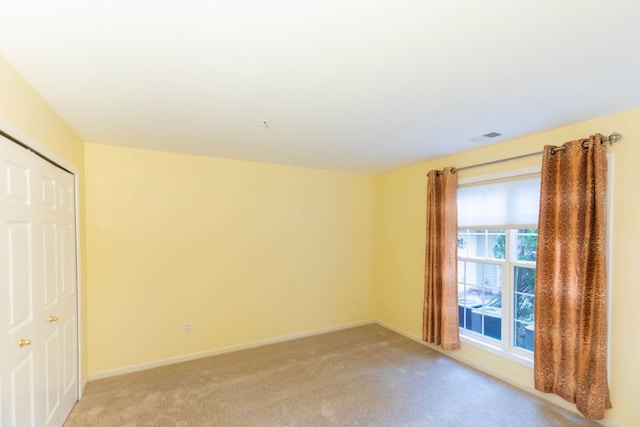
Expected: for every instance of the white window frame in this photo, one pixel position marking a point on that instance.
(503, 347)
(508, 290)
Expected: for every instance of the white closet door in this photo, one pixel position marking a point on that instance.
(59, 308)
(38, 312)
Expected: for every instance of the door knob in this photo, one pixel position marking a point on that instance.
(53, 319)
(24, 342)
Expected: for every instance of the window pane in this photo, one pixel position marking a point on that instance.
(524, 307)
(523, 336)
(473, 273)
(469, 298)
(497, 243)
(463, 245)
(477, 244)
(491, 311)
(492, 277)
(525, 280)
(487, 321)
(527, 244)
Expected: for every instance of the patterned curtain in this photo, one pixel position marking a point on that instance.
(440, 313)
(571, 288)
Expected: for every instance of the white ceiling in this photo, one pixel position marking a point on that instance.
(348, 85)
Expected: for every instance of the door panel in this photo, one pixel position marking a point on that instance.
(48, 197)
(52, 363)
(69, 356)
(23, 392)
(20, 268)
(67, 260)
(18, 182)
(65, 195)
(50, 253)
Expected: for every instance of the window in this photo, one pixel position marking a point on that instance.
(497, 243)
(496, 282)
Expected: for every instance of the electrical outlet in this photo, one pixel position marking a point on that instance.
(187, 328)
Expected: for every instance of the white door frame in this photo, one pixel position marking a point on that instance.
(25, 139)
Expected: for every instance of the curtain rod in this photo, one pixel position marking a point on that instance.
(614, 137)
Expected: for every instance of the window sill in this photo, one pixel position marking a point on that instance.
(496, 349)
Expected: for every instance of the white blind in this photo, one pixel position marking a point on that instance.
(508, 203)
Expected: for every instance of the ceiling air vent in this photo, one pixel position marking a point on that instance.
(492, 134)
(485, 137)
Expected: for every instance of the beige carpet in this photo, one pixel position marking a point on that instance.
(365, 376)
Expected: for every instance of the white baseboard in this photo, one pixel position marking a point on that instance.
(229, 349)
(497, 374)
(83, 387)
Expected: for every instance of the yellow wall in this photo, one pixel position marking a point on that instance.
(400, 240)
(24, 110)
(243, 251)
(248, 251)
